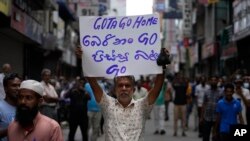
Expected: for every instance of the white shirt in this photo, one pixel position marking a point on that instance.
(124, 124)
(200, 92)
(2, 92)
(50, 91)
(245, 93)
(140, 93)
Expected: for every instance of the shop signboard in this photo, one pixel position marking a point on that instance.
(187, 18)
(241, 19)
(174, 10)
(212, 1)
(5, 7)
(25, 24)
(33, 30)
(229, 51)
(18, 19)
(204, 2)
(208, 50)
(159, 5)
(193, 52)
(87, 8)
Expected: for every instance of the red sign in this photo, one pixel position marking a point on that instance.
(18, 19)
(186, 42)
(208, 50)
(228, 52)
(204, 2)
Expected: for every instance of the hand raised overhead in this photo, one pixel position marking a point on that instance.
(78, 52)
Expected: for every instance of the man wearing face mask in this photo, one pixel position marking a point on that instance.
(246, 83)
(243, 95)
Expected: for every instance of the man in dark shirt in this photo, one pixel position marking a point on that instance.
(180, 101)
(78, 110)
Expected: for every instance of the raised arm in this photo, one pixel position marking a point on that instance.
(162, 60)
(97, 90)
(155, 91)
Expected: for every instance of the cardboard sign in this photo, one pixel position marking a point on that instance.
(116, 46)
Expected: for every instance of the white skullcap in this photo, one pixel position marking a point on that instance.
(32, 85)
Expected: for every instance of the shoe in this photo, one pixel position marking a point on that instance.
(162, 132)
(184, 134)
(175, 134)
(156, 132)
(166, 119)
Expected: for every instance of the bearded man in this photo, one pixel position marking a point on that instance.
(29, 123)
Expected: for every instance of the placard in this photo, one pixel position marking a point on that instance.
(117, 46)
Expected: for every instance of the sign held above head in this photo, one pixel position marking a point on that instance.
(117, 46)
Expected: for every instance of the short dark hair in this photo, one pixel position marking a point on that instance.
(9, 77)
(214, 76)
(130, 77)
(228, 85)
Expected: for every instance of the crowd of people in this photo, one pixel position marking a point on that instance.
(21, 116)
(29, 108)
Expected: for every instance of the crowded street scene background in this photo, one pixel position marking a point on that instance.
(44, 94)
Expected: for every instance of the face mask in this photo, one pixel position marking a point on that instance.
(246, 85)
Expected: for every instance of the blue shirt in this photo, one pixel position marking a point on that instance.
(7, 115)
(228, 112)
(92, 104)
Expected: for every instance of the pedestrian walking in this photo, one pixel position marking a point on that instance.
(180, 100)
(94, 114)
(78, 110)
(168, 97)
(11, 83)
(228, 112)
(29, 123)
(208, 115)
(159, 112)
(140, 91)
(189, 107)
(199, 94)
(243, 95)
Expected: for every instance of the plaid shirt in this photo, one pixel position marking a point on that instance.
(210, 100)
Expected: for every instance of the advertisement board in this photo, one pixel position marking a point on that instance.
(5, 7)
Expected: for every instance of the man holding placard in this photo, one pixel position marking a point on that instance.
(121, 56)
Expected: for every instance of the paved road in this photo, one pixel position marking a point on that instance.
(149, 136)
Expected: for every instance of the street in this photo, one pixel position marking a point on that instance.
(149, 130)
